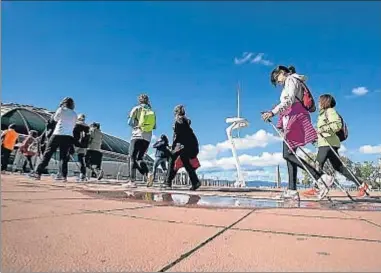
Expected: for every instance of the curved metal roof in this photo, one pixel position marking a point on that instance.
(27, 117)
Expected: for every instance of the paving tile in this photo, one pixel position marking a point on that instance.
(328, 227)
(95, 243)
(43, 195)
(306, 212)
(91, 204)
(27, 210)
(241, 251)
(218, 217)
(374, 216)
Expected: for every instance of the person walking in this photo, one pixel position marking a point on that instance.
(184, 146)
(62, 138)
(329, 124)
(8, 141)
(296, 126)
(29, 148)
(81, 137)
(161, 156)
(142, 119)
(94, 154)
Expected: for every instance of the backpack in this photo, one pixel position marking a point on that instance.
(147, 119)
(84, 139)
(343, 133)
(308, 101)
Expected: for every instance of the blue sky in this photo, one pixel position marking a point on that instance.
(106, 53)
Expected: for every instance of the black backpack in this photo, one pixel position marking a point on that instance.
(343, 133)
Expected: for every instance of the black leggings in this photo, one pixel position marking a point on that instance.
(292, 165)
(94, 157)
(82, 163)
(64, 143)
(185, 158)
(325, 153)
(138, 148)
(28, 159)
(5, 153)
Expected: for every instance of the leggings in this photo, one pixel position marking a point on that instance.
(28, 159)
(292, 165)
(325, 153)
(138, 148)
(64, 143)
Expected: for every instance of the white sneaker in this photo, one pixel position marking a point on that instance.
(327, 180)
(129, 185)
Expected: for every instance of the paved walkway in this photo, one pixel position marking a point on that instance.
(49, 226)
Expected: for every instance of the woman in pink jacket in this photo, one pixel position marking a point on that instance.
(29, 149)
(295, 123)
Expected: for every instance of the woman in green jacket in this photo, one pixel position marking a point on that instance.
(329, 123)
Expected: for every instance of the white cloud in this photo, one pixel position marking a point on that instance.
(360, 91)
(154, 138)
(369, 149)
(259, 139)
(252, 58)
(259, 59)
(247, 161)
(245, 58)
(343, 149)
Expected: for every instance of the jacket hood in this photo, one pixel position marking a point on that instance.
(299, 77)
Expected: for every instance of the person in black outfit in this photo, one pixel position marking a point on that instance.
(81, 139)
(185, 145)
(162, 154)
(61, 138)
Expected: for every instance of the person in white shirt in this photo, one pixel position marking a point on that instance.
(65, 119)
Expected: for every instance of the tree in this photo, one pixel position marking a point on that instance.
(369, 172)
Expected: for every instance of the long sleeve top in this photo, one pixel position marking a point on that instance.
(291, 91)
(328, 124)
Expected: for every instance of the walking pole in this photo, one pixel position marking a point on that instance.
(345, 165)
(334, 181)
(301, 162)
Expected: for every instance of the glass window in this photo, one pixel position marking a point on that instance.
(13, 117)
(34, 121)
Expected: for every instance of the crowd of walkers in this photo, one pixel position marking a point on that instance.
(66, 130)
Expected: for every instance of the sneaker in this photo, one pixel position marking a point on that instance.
(60, 178)
(327, 180)
(36, 177)
(195, 187)
(150, 180)
(290, 194)
(129, 185)
(311, 192)
(362, 190)
(82, 178)
(165, 186)
(323, 193)
(100, 174)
